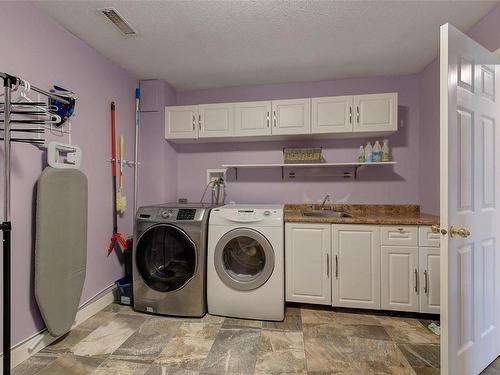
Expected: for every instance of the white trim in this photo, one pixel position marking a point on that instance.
(33, 344)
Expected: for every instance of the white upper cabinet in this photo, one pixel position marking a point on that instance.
(376, 112)
(252, 118)
(291, 117)
(337, 116)
(307, 263)
(181, 122)
(356, 266)
(216, 120)
(332, 114)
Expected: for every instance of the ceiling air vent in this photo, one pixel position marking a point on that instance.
(117, 20)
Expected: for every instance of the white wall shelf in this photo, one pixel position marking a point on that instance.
(354, 167)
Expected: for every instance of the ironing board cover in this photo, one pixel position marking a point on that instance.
(60, 246)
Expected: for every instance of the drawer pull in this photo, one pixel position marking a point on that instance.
(336, 267)
(426, 285)
(328, 265)
(416, 280)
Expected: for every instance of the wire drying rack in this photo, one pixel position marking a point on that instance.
(21, 121)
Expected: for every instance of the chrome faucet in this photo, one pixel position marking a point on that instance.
(326, 199)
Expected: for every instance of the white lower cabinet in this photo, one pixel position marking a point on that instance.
(356, 266)
(308, 263)
(429, 260)
(363, 266)
(400, 273)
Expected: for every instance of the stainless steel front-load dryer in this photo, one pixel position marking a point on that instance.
(169, 272)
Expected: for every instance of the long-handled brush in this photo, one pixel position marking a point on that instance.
(121, 199)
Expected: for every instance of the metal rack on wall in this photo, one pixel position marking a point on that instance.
(24, 113)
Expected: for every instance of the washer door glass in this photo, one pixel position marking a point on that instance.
(166, 258)
(244, 259)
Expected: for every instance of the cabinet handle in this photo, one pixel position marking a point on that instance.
(328, 265)
(274, 118)
(357, 114)
(199, 121)
(194, 122)
(426, 285)
(416, 280)
(350, 115)
(336, 266)
(267, 118)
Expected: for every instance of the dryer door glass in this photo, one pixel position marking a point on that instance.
(166, 257)
(244, 259)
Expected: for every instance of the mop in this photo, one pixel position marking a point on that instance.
(116, 237)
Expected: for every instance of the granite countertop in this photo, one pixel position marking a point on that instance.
(363, 214)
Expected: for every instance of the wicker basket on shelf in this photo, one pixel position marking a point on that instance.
(302, 155)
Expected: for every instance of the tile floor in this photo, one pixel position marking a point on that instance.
(311, 340)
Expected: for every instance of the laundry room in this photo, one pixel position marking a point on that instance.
(249, 187)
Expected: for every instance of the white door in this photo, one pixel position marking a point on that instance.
(332, 114)
(399, 271)
(181, 122)
(291, 116)
(356, 266)
(470, 303)
(307, 263)
(252, 118)
(429, 296)
(216, 120)
(376, 112)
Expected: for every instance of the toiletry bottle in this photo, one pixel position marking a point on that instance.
(385, 151)
(377, 152)
(368, 153)
(361, 156)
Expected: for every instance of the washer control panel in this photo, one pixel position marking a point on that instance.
(186, 214)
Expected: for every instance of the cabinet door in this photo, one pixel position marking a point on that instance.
(399, 270)
(252, 118)
(356, 266)
(332, 114)
(376, 113)
(429, 280)
(216, 120)
(181, 122)
(307, 263)
(291, 116)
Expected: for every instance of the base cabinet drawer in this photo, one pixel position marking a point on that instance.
(428, 239)
(400, 274)
(308, 263)
(403, 235)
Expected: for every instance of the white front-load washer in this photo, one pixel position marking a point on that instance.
(245, 262)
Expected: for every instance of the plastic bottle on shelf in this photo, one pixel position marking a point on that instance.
(377, 152)
(368, 153)
(386, 156)
(361, 156)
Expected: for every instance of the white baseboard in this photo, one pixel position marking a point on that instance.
(32, 345)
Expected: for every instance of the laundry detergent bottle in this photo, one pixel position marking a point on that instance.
(386, 155)
(368, 153)
(377, 152)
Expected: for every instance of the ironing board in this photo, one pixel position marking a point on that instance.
(60, 246)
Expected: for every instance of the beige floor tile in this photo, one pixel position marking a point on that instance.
(281, 352)
(109, 336)
(120, 367)
(408, 330)
(69, 364)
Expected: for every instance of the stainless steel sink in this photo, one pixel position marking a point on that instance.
(327, 213)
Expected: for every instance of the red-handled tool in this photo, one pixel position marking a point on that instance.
(116, 237)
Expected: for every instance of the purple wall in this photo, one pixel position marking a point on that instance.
(486, 32)
(44, 53)
(398, 184)
(158, 169)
